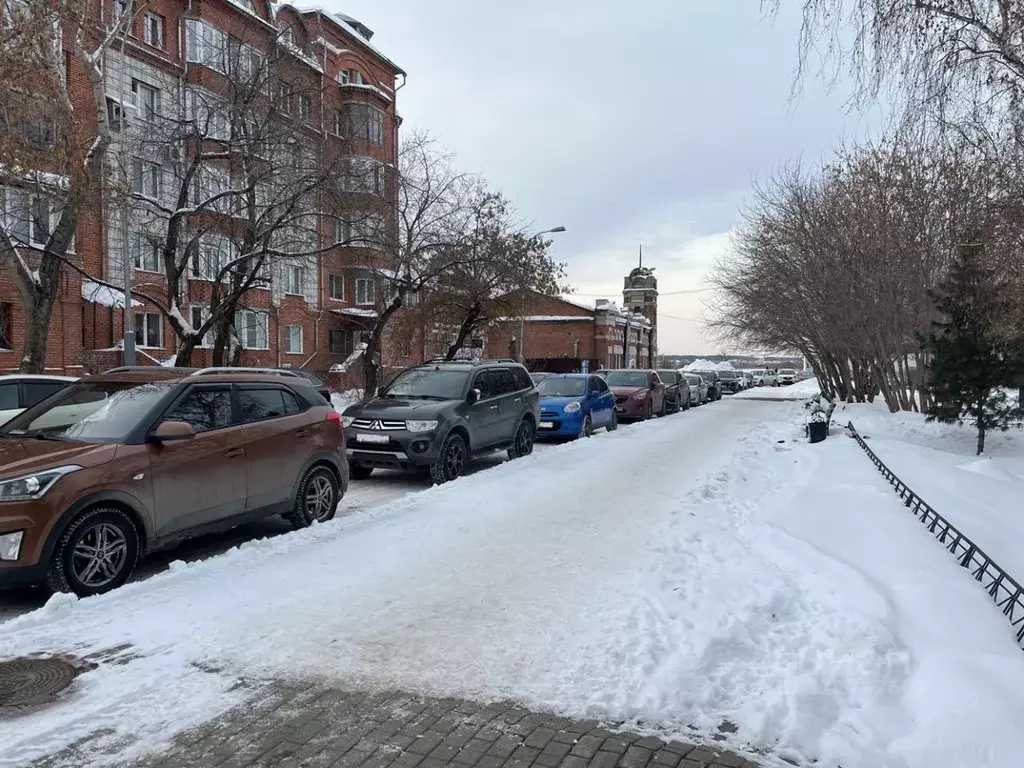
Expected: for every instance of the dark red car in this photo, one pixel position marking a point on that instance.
(639, 394)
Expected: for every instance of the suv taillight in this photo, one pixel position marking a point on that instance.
(334, 416)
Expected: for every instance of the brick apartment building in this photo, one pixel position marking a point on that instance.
(311, 313)
(558, 332)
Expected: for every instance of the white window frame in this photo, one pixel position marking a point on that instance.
(145, 327)
(18, 214)
(147, 178)
(366, 291)
(212, 181)
(304, 106)
(294, 280)
(364, 174)
(339, 122)
(210, 114)
(258, 320)
(360, 230)
(143, 245)
(205, 44)
(153, 28)
(140, 89)
(289, 349)
(367, 127)
(330, 287)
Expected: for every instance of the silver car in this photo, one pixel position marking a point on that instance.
(698, 388)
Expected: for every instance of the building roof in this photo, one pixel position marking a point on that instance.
(343, 23)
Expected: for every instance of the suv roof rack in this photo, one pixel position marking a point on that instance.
(247, 369)
(481, 361)
(147, 368)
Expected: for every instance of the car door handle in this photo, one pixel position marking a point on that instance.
(518, 400)
(304, 432)
(492, 407)
(230, 453)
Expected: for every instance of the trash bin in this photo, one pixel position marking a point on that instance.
(817, 431)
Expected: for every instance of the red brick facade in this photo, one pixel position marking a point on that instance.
(344, 68)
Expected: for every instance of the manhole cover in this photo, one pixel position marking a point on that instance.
(24, 682)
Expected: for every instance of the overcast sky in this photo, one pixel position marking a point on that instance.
(627, 123)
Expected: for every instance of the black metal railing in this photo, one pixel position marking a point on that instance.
(1001, 587)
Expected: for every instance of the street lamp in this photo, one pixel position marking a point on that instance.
(522, 319)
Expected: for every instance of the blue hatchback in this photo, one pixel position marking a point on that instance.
(574, 405)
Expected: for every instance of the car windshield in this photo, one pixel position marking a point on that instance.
(626, 379)
(787, 371)
(669, 377)
(428, 384)
(706, 375)
(692, 378)
(89, 412)
(554, 386)
(727, 375)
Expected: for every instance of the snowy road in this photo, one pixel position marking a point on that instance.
(705, 567)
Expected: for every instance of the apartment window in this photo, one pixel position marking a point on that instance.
(212, 188)
(120, 6)
(364, 230)
(293, 339)
(366, 122)
(293, 280)
(211, 116)
(343, 76)
(147, 178)
(364, 174)
(285, 33)
(6, 340)
(339, 342)
(42, 224)
(339, 123)
(284, 99)
(251, 328)
(366, 291)
(145, 252)
(249, 60)
(146, 99)
(40, 129)
(337, 287)
(213, 253)
(149, 329)
(28, 219)
(198, 316)
(303, 106)
(153, 30)
(205, 44)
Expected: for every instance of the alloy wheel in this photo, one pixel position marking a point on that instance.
(100, 555)
(319, 498)
(454, 459)
(524, 440)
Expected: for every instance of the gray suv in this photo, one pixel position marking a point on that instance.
(438, 415)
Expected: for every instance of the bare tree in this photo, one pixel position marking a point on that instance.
(51, 150)
(501, 263)
(427, 212)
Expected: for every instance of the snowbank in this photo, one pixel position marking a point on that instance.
(765, 581)
(980, 495)
(708, 365)
(801, 390)
(342, 400)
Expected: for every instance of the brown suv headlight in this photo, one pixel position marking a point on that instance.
(33, 486)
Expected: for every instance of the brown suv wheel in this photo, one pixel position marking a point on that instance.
(97, 553)
(317, 498)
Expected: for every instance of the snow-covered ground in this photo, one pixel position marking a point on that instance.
(801, 390)
(703, 567)
(982, 495)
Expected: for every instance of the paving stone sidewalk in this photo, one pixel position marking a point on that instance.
(297, 726)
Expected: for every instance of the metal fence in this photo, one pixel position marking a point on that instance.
(1001, 587)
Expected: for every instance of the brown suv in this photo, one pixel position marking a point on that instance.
(116, 466)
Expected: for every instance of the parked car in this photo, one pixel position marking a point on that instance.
(714, 384)
(603, 373)
(677, 390)
(698, 388)
(786, 376)
(304, 373)
(19, 391)
(574, 405)
(438, 415)
(730, 382)
(116, 466)
(748, 380)
(536, 377)
(763, 378)
(639, 394)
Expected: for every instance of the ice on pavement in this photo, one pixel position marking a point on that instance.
(703, 567)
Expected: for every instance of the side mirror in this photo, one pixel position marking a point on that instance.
(473, 396)
(172, 431)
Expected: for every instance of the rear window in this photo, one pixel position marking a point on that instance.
(627, 379)
(37, 391)
(669, 377)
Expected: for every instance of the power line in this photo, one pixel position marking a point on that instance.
(665, 293)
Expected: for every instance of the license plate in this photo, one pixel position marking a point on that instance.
(362, 437)
(620, 408)
(547, 425)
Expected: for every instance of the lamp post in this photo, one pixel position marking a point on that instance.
(522, 318)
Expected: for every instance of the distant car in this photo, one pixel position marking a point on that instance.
(437, 416)
(574, 405)
(698, 389)
(639, 394)
(730, 382)
(763, 378)
(748, 380)
(603, 373)
(714, 384)
(537, 377)
(23, 390)
(677, 390)
(786, 376)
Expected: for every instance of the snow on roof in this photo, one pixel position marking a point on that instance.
(547, 318)
(340, 21)
(355, 312)
(578, 303)
(708, 365)
(98, 293)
